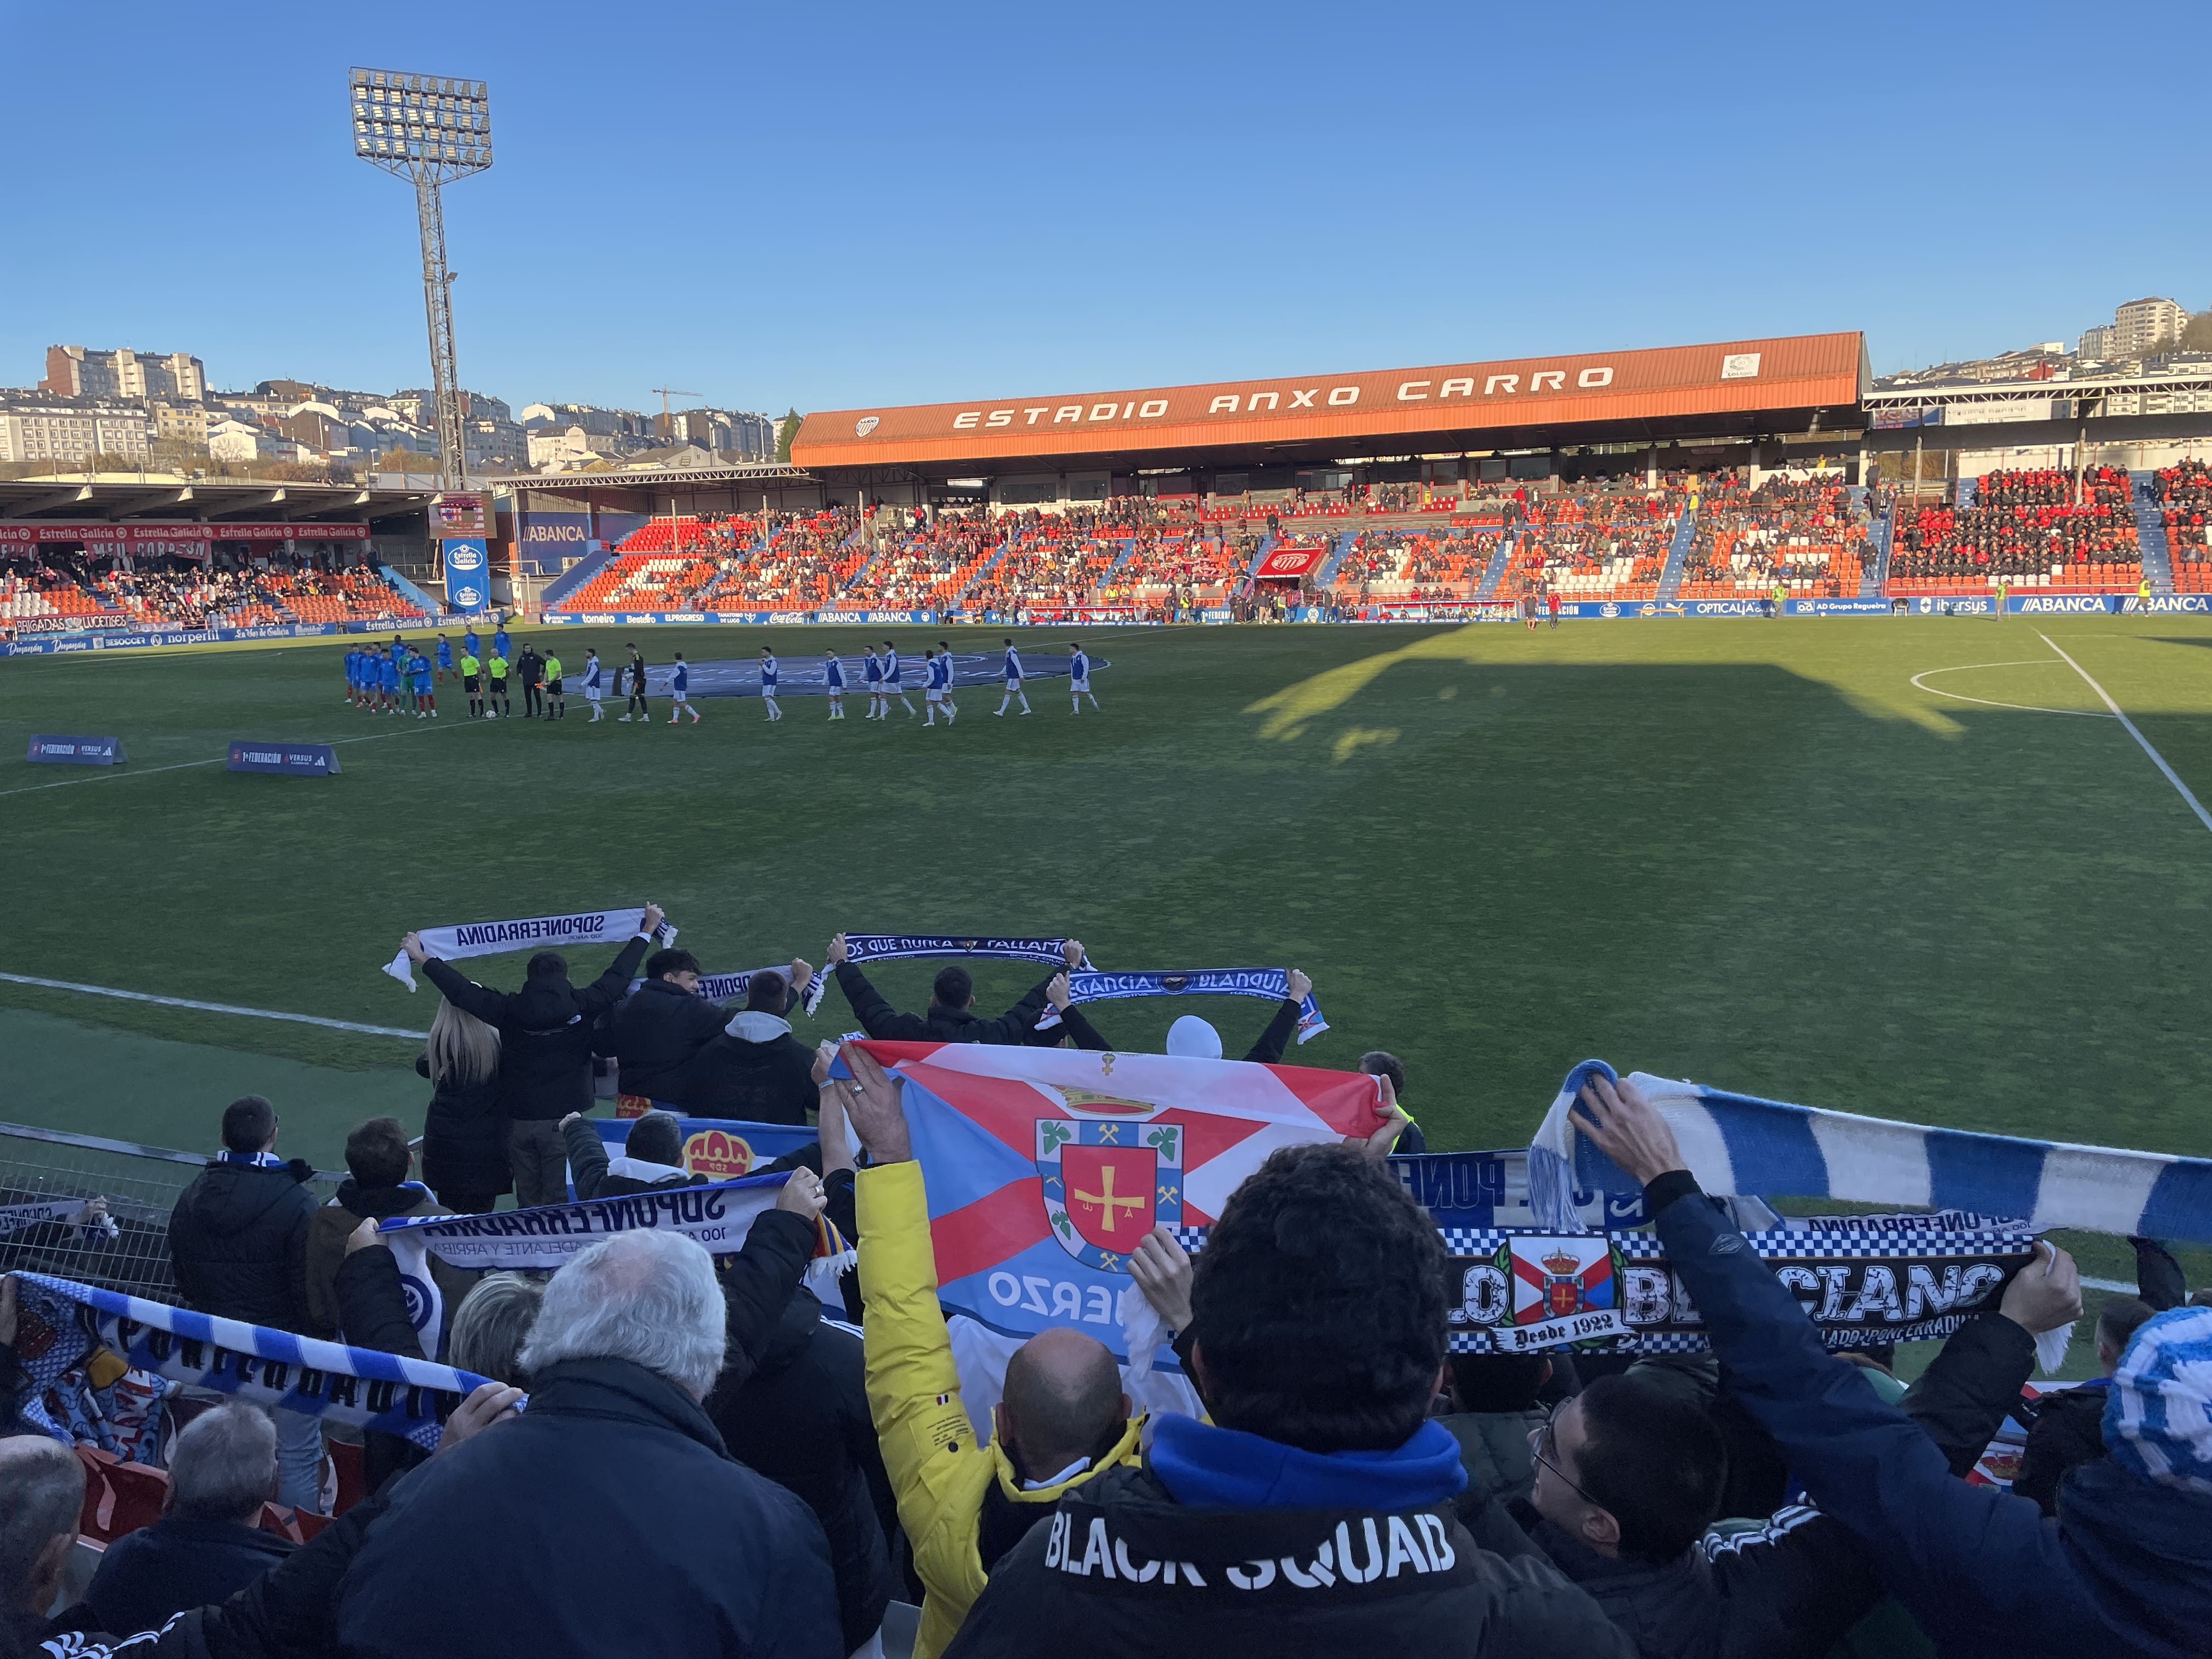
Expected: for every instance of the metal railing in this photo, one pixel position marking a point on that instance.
(141, 1184)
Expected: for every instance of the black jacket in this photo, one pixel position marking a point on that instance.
(655, 1033)
(238, 1241)
(464, 1138)
(940, 1024)
(2068, 1430)
(802, 1420)
(178, 1563)
(1418, 1584)
(1786, 1591)
(544, 1032)
(608, 1518)
(594, 1175)
(758, 1073)
(1267, 1051)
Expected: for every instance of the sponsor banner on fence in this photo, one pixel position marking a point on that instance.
(62, 645)
(76, 752)
(133, 535)
(296, 760)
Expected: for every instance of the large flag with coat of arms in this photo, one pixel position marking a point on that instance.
(1046, 1166)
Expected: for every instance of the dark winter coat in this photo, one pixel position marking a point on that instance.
(1495, 1449)
(608, 1518)
(754, 1070)
(2068, 1430)
(465, 1137)
(940, 1024)
(2126, 1568)
(178, 1563)
(238, 1241)
(544, 1032)
(802, 1420)
(334, 1223)
(656, 1034)
(1095, 1582)
(595, 1175)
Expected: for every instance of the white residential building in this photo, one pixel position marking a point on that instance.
(69, 432)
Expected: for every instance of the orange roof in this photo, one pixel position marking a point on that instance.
(1810, 371)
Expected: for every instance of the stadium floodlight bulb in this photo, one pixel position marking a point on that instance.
(428, 124)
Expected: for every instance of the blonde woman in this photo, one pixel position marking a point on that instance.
(464, 1131)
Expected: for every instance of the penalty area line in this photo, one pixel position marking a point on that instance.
(210, 1008)
(2118, 713)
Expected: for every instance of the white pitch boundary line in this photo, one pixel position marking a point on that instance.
(1990, 702)
(2156, 759)
(210, 1007)
(218, 760)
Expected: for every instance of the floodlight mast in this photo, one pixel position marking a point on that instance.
(429, 128)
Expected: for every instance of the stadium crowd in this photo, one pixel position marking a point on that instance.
(2028, 529)
(1801, 535)
(712, 1461)
(39, 588)
(2185, 497)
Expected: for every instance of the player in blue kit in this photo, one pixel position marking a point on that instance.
(1078, 669)
(893, 676)
(680, 683)
(872, 672)
(769, 676)
(499, 642)
(1013, 673)
(352, 675)
(445, 657)
(939, 693)
(470, 645)
(426, 701)
(833, 677)
(387, 683)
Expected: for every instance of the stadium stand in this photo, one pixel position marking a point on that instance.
(1595, 543)
(1420, 564)
(2185, 497)
(1803, 533)
(43, 594)
(2029, 528)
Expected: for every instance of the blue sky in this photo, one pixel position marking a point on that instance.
(837, 205)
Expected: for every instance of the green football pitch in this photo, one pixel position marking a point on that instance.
(1774, 856)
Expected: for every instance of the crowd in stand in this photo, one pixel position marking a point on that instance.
(226, 590)
(2028, 529)
(1802, 535)
(715, 1462)
(2185, 497)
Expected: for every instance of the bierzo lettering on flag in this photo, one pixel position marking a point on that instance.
(489, 938)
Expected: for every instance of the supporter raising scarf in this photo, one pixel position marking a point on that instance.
(717, 1215)
(492, 938)
(1269, 984)
(81, 1339)
(860, 948)
(1740, 1144)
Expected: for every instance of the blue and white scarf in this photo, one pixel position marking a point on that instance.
(883, 947)
(717, 1215)
(492, 938)
(1741, 1144)
(22, 1218)
(728, 987)
(1272, 984)
(61, 1326)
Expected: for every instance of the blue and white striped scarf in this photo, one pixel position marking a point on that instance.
(861, 948)
(1739, 1145)
(69, 1322)
(1272, 984)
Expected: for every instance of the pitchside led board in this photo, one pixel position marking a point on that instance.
(468, 578)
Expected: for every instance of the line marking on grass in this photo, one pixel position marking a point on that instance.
(2116, 1286)
(218, 760)
(1987, 702)
(209, 1007)
(2156, 759)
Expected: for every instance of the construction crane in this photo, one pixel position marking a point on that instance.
(667, 426)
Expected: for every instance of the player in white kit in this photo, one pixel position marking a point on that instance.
(833, 677)
(1078, 669)
(1013, 671)
(769, 676)
(893, 686)
(592, 688)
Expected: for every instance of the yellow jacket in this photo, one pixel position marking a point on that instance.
(938, 1473)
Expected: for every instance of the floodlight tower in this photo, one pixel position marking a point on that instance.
(429, 128)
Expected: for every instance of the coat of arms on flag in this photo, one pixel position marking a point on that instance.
(1106, 1185)
(1558, 1278)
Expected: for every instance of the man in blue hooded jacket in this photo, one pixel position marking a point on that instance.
(2124, 1568)
(1313, 1515)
